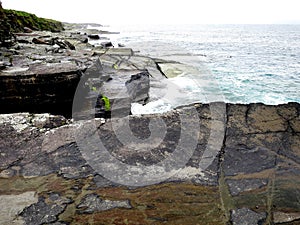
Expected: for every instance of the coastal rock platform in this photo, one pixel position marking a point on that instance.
(49, 168)
(42, 72)
(201, 164)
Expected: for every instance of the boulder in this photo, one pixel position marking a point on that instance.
(138, 87)
(94, 36)
(107, 44)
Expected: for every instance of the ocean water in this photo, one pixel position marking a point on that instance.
(233, 63)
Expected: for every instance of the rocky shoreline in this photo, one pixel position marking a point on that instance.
(252, 179)
(242, 161)
(42, 71)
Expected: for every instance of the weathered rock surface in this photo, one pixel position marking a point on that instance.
(12, 205)
(93, 203)
(39, 87)
(45, 212)
(253, 177)
(138, 87)
(43, 71)
(247, 217)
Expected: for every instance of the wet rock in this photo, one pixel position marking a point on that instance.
(93, 203)
(247, 217)
(238, 186)
(138, 87)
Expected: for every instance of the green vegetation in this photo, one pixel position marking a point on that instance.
(12, 21)
(4, 26)
(18, 20)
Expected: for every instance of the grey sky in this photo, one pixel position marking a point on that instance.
(163, 11)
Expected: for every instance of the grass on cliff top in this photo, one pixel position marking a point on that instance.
(19, 19)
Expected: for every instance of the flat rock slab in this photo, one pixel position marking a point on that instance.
(253, 177)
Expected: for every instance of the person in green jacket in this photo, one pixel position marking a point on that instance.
(103, 107)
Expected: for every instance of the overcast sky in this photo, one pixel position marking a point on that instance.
(163, 11)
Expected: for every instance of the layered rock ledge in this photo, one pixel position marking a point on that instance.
(49, 168)
(43, 71)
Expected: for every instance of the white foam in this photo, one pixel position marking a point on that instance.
(159, 106)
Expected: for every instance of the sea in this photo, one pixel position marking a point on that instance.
(230, 63)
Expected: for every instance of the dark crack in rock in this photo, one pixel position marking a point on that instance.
(93, 203)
